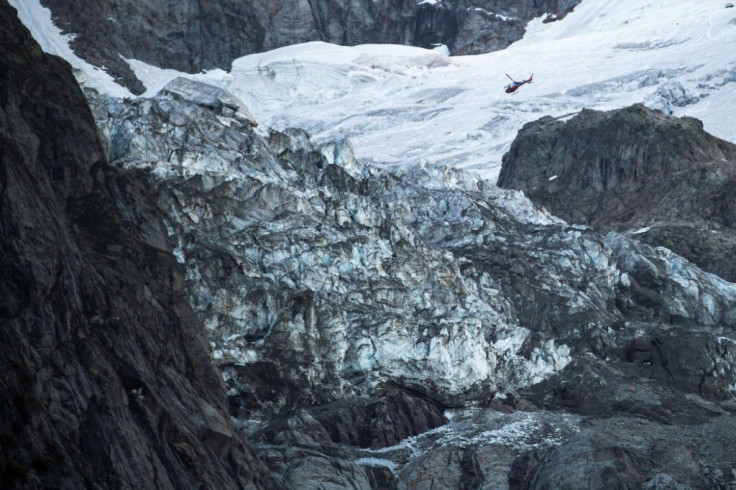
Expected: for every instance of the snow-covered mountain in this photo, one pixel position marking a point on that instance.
(381, 313)
(401, 105)
(206, 35)
(404, 106)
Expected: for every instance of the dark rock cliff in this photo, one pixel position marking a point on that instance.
(106, 374)
(634, 169)
(201, 35)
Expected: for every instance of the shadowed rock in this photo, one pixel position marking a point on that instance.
(385, 420)
(106, 374)
(633, 453)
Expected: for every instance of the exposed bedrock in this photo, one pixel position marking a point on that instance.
(202, 35)
(107, 379)
(312, 445)
(385, 419)
(634, 453)
(634, 170)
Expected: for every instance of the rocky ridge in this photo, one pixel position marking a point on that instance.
(637, 170)
(196, 36)
(329, 287)
(107, 377)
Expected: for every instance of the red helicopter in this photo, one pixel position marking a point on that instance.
(514, 85)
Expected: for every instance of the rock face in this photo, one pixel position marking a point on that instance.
(634, 169)
(387, 419)
(310, 448)
(325, 284)
(106, 375)
(202, 35)
(632, 453)
(637, 169)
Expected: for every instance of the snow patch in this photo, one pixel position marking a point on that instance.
(38, 20)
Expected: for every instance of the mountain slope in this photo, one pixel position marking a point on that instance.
(394, 327)
(325, 283)
(107, 378)
(196, 36)
(403, 106)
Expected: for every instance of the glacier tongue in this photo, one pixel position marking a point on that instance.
(340, 276)
(322, 279)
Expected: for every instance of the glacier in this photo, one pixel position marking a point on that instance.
(369, 249)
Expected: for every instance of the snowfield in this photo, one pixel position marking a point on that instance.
(404, 106)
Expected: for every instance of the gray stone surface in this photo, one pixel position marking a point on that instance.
(634, 453)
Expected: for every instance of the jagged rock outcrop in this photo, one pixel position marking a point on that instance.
(665, 178)
(638, 170)
(703, 242)
(382, 421)
(107, 379)
(633, 453)
(308, 448)
(196, 36)
(322, 280)
(489, 25)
